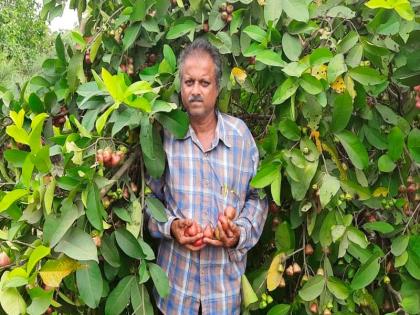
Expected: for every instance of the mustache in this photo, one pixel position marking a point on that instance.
(195, 98)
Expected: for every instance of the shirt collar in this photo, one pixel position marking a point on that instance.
(220, 130)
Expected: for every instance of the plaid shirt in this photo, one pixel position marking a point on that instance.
(199, 184)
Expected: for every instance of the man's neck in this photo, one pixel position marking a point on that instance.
(205, 125)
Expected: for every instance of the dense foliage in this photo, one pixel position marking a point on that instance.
(327, 88)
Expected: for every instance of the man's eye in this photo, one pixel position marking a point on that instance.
(205, 83)
(188, 82)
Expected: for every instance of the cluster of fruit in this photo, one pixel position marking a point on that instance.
(119, 193)
(226, 11)
(417, 90)
(60, 118)
(209, 232)
(118, 33)
(110, 158)
(265, 300)
(128, 67)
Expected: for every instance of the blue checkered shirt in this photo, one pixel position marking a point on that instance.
(199, 184)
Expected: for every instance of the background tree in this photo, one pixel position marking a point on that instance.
(329, 90)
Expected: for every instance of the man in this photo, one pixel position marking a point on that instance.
(207, 171)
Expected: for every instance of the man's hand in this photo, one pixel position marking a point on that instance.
(229, 234)
(178, 228)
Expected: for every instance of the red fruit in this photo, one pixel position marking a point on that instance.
(224, 221)
(289, 271)
(133, 187)
(49, 310)
(115, 159)
(273, 207)
(224, 16)
(296, 268)
(97, 240)
(4, 259)
(309, 250)
(198, 242)
(192, 230)
(229, 18)
(208, 232)
(229, 8)
(107, 155)
(230, 212)
(314, 308)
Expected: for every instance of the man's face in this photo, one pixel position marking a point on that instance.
(198, 85)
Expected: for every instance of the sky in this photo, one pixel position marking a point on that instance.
(65, 22)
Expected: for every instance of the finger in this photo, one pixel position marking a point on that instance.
(212, 242)
(192, 239)
(223, 236)
(235, 229)
(184, 223)
(224, 222)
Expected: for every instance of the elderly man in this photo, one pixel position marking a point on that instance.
(207, 171)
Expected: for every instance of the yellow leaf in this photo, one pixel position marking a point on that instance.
(53, 271)
(380, 191)
(261, 2)
(338, 85)
(239, 74)
(248, 294)
(273, 274)
(348, 81)
(320, 72)
(18, 117)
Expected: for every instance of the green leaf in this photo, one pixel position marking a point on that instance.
(155, 163)
(180, 29)
(59, 48)
(336, 67)
(289, 129)
(78, 39)
(139, 11)
(18, 134)
(296, 9)
(119, 298)
(146, 249)
(338, 288)
(109, 250)
(265, 175)
(10, 197)
(320, 56)
(41, 300)
(284, 237)
(90, 284)
(285, 90)
(255, 32)
(385, 164)
(375, 137)
(348, 42)
(38, 253)
(94, 208)
(248, 295)
(313, 288)
(329, 187)
(310, 84)
(279, 309)
(270, 58)
(176, 121)
(366, 273)
(395, 143)
(95, 47)
(156, 209)
(366, 75)
(272, 11)
(325, 236)
(169, 55)
(78, 245)
(292, 47)
(276, 189)
(399, 245)
(413, 144)
(343, 108)
(128, 243)
(379, 226)
(160, 279)
(15, 157)
(130, 35)
(354, 148)
(11, 301)
(101, 121)
(53, 271)
(35, 103)
(140, 299)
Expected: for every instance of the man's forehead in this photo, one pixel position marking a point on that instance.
(199, 63)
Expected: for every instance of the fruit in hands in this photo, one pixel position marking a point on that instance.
(208, 232)
(230, 212)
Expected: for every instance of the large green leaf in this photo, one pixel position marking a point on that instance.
(296, 9)
(265, 175)
(395, 143)
(285, 237)
(128, 243)
(90, 283)
(156, 209)
(130, 35)
(140, 299)
(292, 47)
(366, 273)
(289, 129)
(329, 187)
(10, 197)
(338, 288)
(78, 245)
(413, 144)
(41, 300)
(94, 207)
(160, 279)
(180, 29)
(38, 253)
(118, 299)
(109, 250)
(354, 148)
(313, 288)
(366, 75)
(270, 58)
(285, 90)
(255, 32)
(342, 111)
(336, 67)
(176, 121)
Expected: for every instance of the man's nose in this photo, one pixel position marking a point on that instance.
(196, 89)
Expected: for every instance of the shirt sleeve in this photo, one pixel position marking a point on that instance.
(252, 217)
(159, 229)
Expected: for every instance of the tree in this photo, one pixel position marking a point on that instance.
(327, 89)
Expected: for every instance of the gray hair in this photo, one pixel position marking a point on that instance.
(202, 45)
